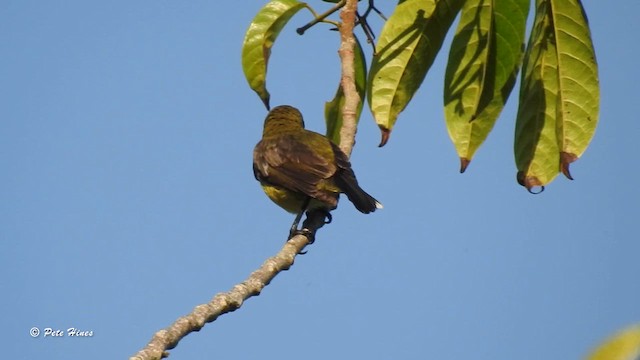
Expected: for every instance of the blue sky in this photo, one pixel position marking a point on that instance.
(127, 198)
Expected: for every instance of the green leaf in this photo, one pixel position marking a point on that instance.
(622, 346)
(559, 95)
(579, 92)
(536, 148)
(259, 39)
(484, 60)
(407, 46)
(333, 108)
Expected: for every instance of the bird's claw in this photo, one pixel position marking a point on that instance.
(306, 233)
(328, 218)
(326, 213)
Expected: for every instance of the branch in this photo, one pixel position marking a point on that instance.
(223, 303)
(347, 80)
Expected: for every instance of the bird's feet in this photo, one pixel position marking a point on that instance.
(310, 235)
(304, 232)
(313, 224)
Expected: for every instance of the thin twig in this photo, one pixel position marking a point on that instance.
(373, 7)
(320, 18)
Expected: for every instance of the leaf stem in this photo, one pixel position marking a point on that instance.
(321, 17)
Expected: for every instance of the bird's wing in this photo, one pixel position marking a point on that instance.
(289, 163)
(342, 160)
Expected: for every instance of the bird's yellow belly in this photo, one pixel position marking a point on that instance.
(291, 201)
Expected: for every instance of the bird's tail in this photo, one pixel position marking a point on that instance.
(365, 203)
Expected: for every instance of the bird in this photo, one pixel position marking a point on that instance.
(301, 170)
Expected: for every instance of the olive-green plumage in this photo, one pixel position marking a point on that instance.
(294, 164)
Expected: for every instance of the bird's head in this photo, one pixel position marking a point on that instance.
(283, 118)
